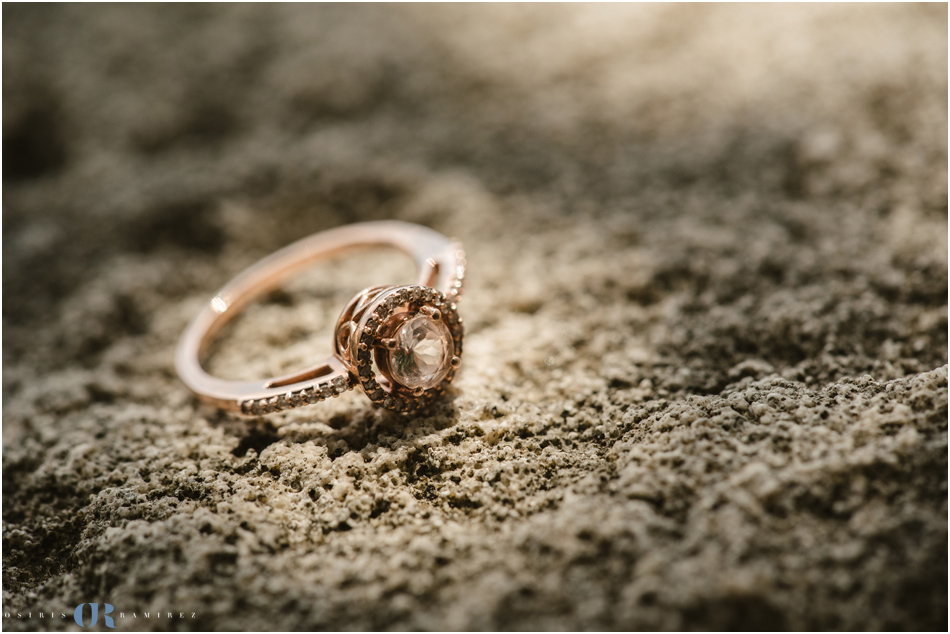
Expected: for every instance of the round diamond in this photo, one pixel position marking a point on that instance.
(423, 353)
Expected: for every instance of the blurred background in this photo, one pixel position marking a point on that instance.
(665, 201)
(153, 136)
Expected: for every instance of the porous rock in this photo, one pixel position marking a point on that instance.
(705, 375)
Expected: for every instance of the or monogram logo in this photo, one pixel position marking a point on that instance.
(78, 615)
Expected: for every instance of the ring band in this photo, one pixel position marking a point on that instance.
(401, 344)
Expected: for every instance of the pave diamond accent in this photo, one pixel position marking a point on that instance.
(423, 353)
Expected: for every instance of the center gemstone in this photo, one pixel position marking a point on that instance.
(423, 353)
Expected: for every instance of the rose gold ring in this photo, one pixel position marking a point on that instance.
(401, 344)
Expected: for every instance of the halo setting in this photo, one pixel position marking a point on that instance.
(403, 343)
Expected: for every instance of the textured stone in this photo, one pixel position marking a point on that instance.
(704, 381)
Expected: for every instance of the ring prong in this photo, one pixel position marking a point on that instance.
(419, 391)
(389, 343)
(431, 312)
(456, 362)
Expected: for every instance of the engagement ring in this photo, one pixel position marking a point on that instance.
(401, 344)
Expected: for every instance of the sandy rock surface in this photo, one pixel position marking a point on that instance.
(705, 378)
